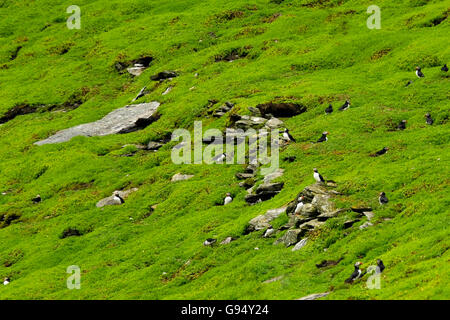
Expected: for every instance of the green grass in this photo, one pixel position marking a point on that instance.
(315, 53)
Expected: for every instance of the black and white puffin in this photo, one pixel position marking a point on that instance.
(408, 83)
(220, 157)
(37, 199)
(300, 204)
(419, 72)
(228, 199)
(317, 176)
(380, 153)
(444, 68)
(323, 138)
(429, 120)
(382, 199)
(345, 106)
(329, 109)
(287, 136)
(117, 198)
(356, 274)
(209, 242)
(270, 231)
(6, 281)
(380, 266)
(402, 125)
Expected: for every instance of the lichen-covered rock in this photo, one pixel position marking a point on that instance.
(291, 237)
(262, 222)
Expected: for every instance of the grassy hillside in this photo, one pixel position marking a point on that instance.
(309, 51)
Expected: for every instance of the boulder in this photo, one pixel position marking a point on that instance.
(262, 222)
(153, 146)
(109, 201)
(311, 225)
(164, 75)
(291, 237)
(270, 187)
(308, 210)
(365, 225)
(181, 177)
(274, 123)
(247, 122)
(262, 196)
(369, 215)
(300, 244)
(274, 175)
(244, 176)
(329, 214)
(123, 120)
(136, 71)
(227, 240)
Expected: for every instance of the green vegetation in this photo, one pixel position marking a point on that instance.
(308, 51)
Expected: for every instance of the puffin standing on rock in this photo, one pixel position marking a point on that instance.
(382, 199)
(228, 199)
(317, 176)
(345, 106)
(419, 73)
(323, 138)
(329, 109)
(287, 136)
(299, 205)
(429, 120)
(356, 274)
(117, 198)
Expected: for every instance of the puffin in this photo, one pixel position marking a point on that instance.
(329, 109)
(37, 199)
(345, 106)
(209, 242)
(287, 136)
(444, 68)
(402, 125)
(356, 274)
(382, 199)
(299, 205)
(6, 281)
(429, 120)
(323, 138)
(270, 231)
(419, 72)
(317, 176)
(380, 153)
(227, 199)
(220, 157)
(380, 266)
(117, 198)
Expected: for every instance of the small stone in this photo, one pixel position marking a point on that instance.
(181, 177)
(300, 245)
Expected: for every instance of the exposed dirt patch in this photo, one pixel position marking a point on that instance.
(380, 54)
(7, 218)
(281, 109)
(231, 55)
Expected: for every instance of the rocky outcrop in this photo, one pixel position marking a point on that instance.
(181, 177)
(264, 192)
(109, 201)
(127, 119)
(263, 221)
(281, 109)
(164, 75)
(220, 112)
(247, 122)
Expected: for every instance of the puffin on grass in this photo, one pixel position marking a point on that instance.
(37, 199)
(287, 136)
(6, 281)
(329, 109)
(345, 106)
(402, 125)
(323, 137)
(444, 68)
(380, 266)
(356, 274)
(429, 120)
(382, 199)
(380, 153)
(209, 242)
(228, 199)
(317, 176)
(419, 73)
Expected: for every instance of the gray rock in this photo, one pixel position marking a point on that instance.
(109, 201)
(300, 244)
(274, 175)
(243, 176)
(291, 237)
(262, 222)
(274, 279)
(262, 196)
(365, 225)
(369, 215)
(247, 122)
(308, 210)
(123, 120)
(164, 75)
(315, 296)
(311, 225)
(274, 123)
(227, 240)
(136, 70)
(167, 91)
(181, 177)
(270, 187)
(153, 146)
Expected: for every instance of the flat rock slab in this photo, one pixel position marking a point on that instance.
(262, 222)
(315, 296)
(181, 177)
(123, 120)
